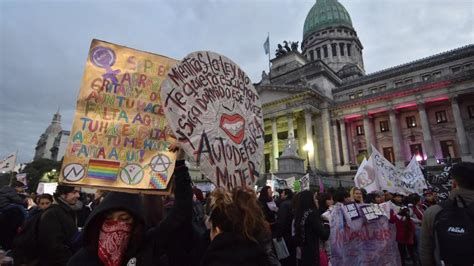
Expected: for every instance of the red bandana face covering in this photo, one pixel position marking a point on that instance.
(113, 241)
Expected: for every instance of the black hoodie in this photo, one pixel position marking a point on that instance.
(145, 248)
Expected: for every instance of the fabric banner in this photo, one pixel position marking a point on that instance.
(216, 114)
(8, 164)
(365, 177)
(120, 138)
(363, 240)
(412, 179)
(385, 172)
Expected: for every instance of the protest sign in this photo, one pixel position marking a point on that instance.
(46, 188)
(216, 114)
(304, 182)
(22, 178)
(441, 183)
(283, 183)
(120, 137)
(364, 240)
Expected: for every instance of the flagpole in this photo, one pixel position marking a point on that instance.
(269, 73)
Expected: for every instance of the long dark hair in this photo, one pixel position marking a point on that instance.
(322, 198)
(263, 197)
(305, 202)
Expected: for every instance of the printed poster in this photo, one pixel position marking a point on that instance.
(120, 138)
(217, 116)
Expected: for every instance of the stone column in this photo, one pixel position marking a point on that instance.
(397, 145)
(275, 144)
(428, 141)
(345, 149)
(291, 128)
(466, 155)
(327, 140)
(336, 142)
(309, 136)
(369, 133)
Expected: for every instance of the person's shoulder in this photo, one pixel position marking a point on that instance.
(83, 257)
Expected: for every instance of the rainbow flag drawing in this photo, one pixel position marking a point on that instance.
(158, 181)
(101, 169)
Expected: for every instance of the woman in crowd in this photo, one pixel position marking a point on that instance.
(309, 229)
(325, 202)
(235, 227)
(357, 195)
(405, 234)
(114, 233)
(268, 205)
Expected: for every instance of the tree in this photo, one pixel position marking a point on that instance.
(37, 169)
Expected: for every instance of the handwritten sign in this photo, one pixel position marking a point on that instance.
(362, 243)
(441, 183)
(120, 137)
(215, 112)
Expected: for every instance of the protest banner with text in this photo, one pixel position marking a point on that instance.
(360, 233)
(215, 112)
(120, 137)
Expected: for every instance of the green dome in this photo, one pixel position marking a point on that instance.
(326, 13)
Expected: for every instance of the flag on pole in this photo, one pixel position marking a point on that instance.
(8, 164)
(266, 45)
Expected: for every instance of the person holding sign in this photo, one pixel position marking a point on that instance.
(115, 235)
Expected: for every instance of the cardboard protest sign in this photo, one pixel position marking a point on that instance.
(363, 242)
(215, 112)
(120, 138)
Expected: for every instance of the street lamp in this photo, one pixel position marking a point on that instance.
(307, 148)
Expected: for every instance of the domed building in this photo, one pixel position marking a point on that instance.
(322, 96)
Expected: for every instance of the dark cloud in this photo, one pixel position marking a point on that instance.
(44, 44)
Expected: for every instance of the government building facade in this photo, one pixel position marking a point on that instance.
(321, 96)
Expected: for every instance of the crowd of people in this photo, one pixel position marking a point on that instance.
(237, 227)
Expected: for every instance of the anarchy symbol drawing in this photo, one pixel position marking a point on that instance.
(160, 163)
(73, 172)
(131, 174)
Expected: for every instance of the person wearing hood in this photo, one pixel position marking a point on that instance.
(58, 228)
(115, 232)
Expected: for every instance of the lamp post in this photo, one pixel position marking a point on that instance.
(307, 148)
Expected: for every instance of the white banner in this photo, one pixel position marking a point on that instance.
(283, 183)
(7, 164)
(385, 172)
(365, 177)
(412, 179)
